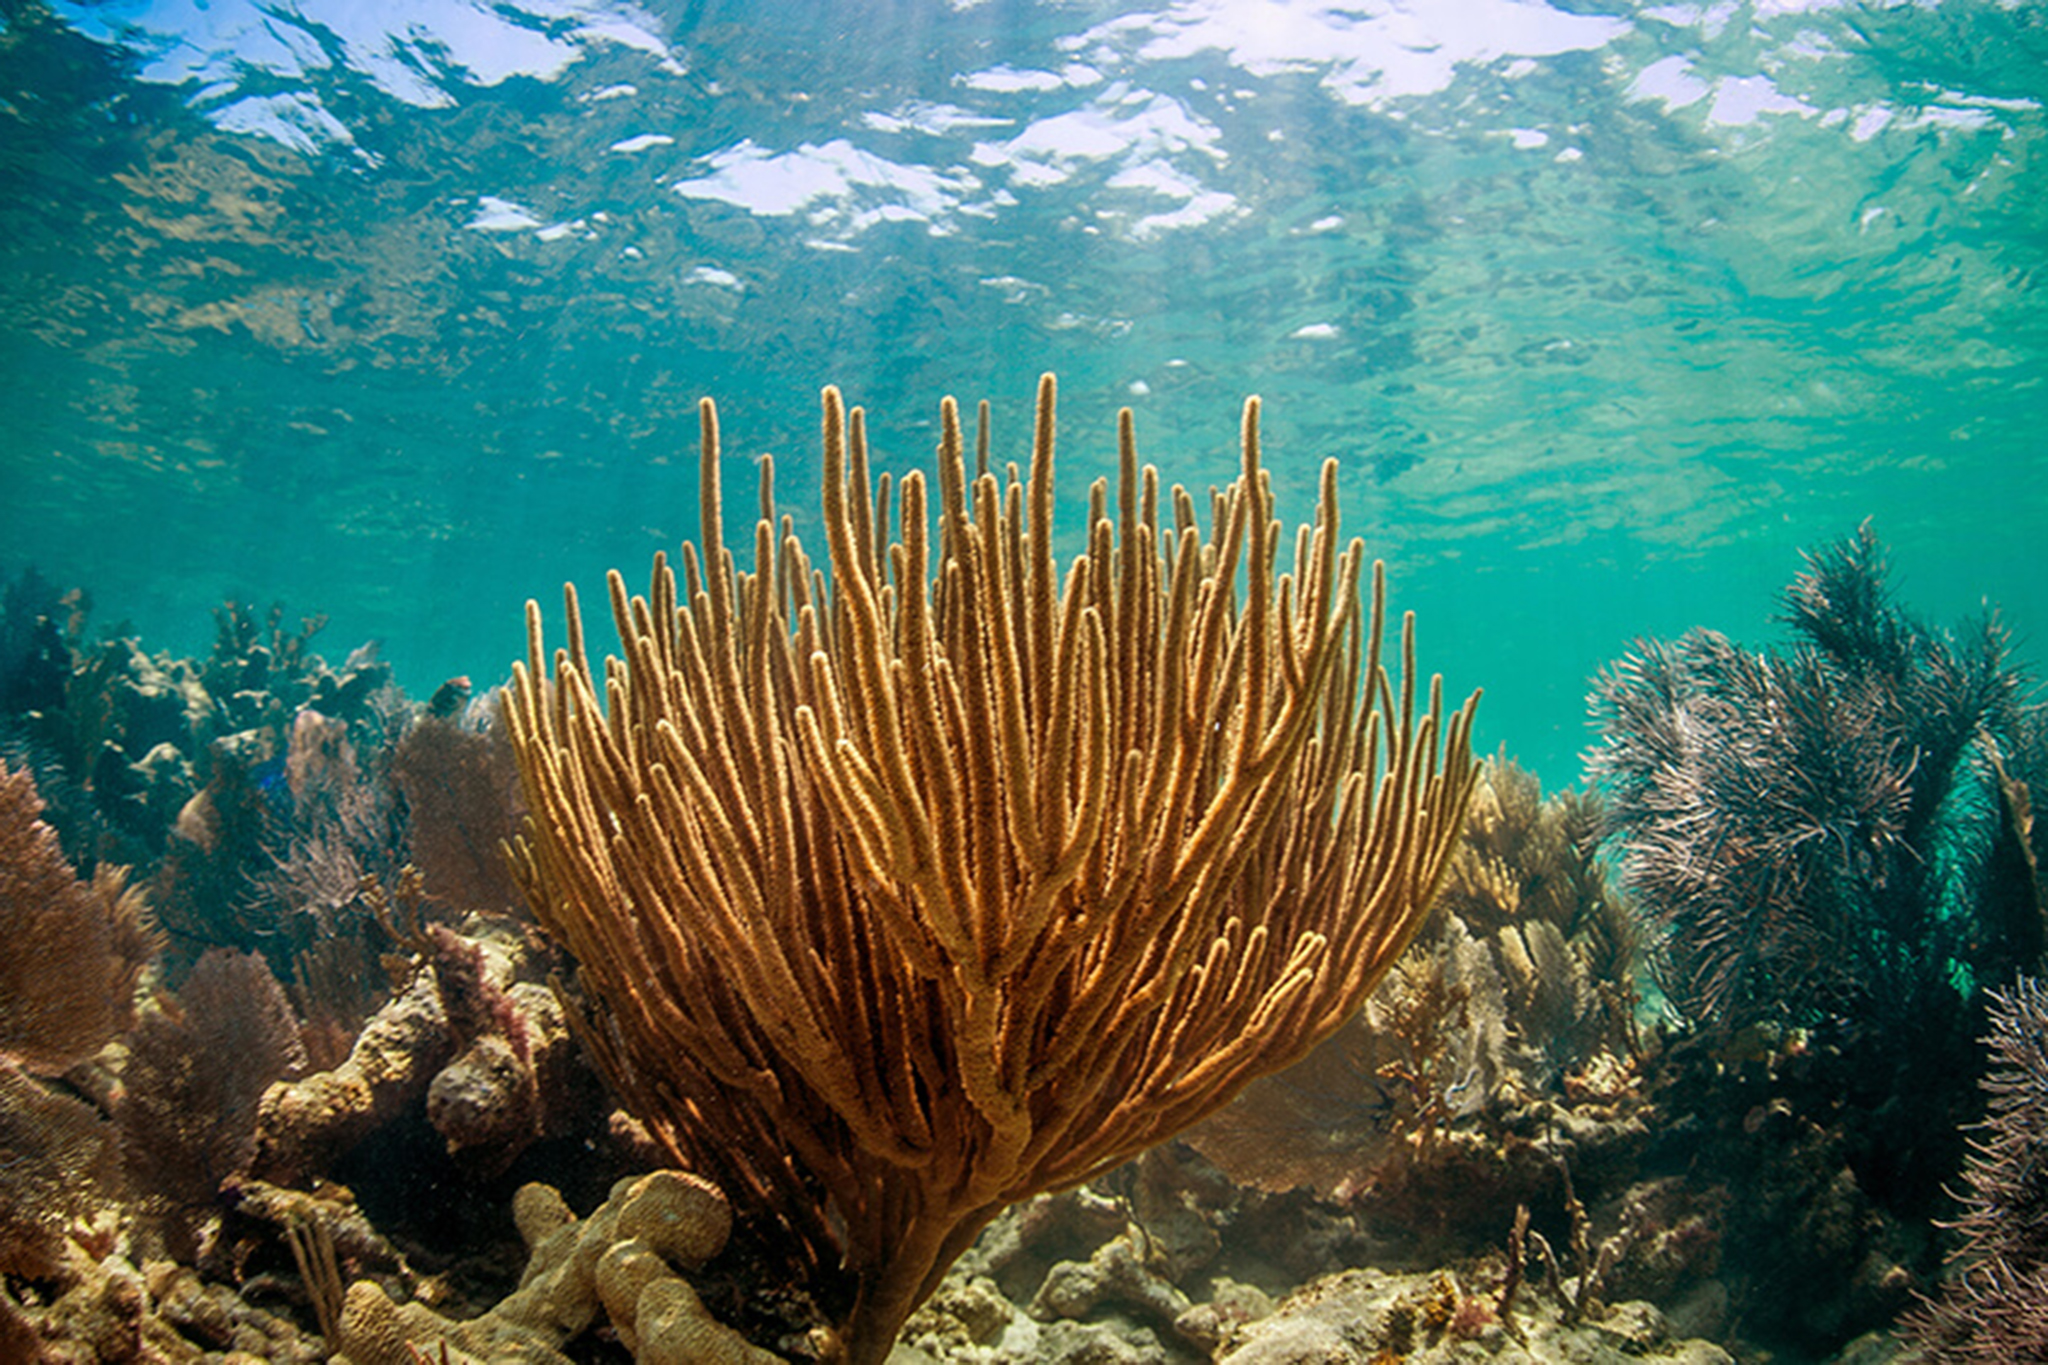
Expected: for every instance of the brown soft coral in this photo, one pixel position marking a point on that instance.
(74, 948)
(60, 1158)
(198, 1064)
(462, 789)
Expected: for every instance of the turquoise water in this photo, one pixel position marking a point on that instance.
(400, 312)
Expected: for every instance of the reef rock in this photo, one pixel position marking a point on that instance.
(490, 1055)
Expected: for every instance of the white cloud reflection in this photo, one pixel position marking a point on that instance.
(501, 215)
(412, 50)
(1148, 152)
(642, 143)
(298, 120)
(836, 183)
(1367, 54)
(1669, 80)
(1742, 100)
(1124, 113)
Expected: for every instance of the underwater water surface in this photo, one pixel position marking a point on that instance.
(400, 312)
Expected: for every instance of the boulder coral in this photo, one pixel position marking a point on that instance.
(625, 1264)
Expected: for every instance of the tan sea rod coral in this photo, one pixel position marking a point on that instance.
(903, 895)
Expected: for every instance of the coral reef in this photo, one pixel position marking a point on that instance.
(74, 952)
(260, 785)
(1360, 1316)
(110, 1310)
(133, 1082)
(487, 1053)
(41, 628)
(1502, 1044)
(1120, 1278)
(345, 1115)
(158, 745)
(1833, 851)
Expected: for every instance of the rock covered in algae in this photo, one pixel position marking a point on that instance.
(490, 1054)
(1116, 1273)
(1352, 1317)
(303, 1125)
(622, 1262)
(482, 1101)
(967, 1311)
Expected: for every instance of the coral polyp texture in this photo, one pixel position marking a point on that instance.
(913, 889)
(625, 1262)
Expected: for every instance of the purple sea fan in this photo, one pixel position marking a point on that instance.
(1995, 1309)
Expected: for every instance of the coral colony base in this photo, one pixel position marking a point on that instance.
(902, 956)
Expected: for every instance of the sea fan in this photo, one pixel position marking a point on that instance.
(74, 948)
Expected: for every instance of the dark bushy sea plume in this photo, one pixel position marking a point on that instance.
(1830, 835)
